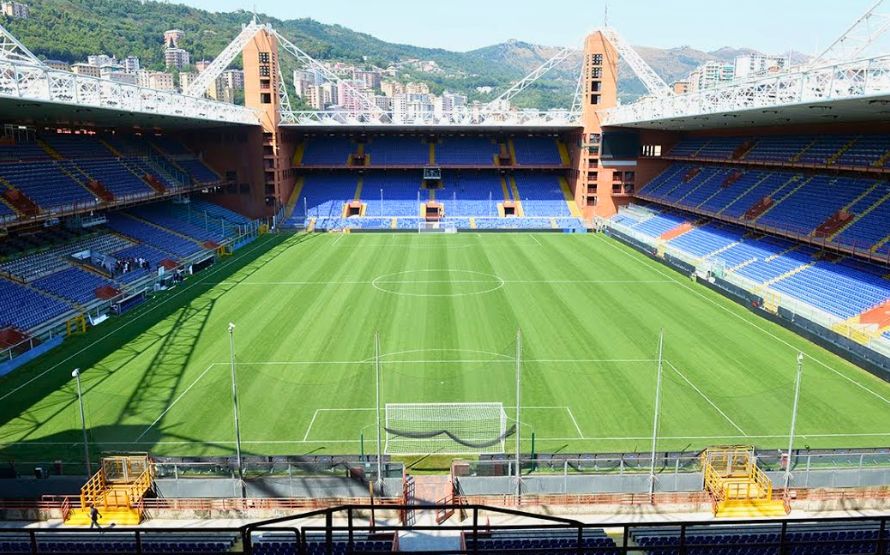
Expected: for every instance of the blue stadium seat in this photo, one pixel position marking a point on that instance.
(537, 151)
(398, 151)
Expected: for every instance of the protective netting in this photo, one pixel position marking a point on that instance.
(446, 428)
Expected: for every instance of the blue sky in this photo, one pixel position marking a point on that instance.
(773, 26)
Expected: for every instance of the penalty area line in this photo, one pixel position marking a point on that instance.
(183, 394)
(575, 422)
(706, 398)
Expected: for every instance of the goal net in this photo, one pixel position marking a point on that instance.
(446, 428)
(436, 227)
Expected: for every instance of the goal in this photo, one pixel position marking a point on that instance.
(436, 227)
(446, 428)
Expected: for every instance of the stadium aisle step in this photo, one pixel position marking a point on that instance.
(790, 273)
(299, 152)
(563, 153)
(570, 198)
(796, 157)
(162, 228)
(294, 197)
(504, 188)
(516, 197)
(834, 157)
(53, 153)
(737, 197)
(864, 213)
(358, 189)
(780, 192)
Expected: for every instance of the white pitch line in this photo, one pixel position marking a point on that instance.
(536, 240)
(575, 422)
(706, 398)
(183, 394)
(745, 320)
(458, 282)
(309, 429)
(323, 441)
(114, 331)
(438, 361)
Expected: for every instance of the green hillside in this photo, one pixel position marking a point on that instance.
(69, 30)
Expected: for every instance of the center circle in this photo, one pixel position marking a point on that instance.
(438, 283)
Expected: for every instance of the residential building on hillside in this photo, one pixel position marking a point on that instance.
(176, 58)
(87, 70)
(752, 65)
(100, 60)
(131, 64)
(711, 74)
(15, 10)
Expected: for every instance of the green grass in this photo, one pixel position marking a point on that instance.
(447, 308)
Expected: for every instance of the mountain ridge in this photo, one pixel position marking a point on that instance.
(70, 30)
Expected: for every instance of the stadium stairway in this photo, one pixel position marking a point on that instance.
(796, 157)
(53, 153)
(880, 244)
(564, 153)
(111, 149)
(570, 198)
(298, 153)
(516, 197)
(206, 244)
(857, 217)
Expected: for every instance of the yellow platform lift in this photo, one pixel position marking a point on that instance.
(738, 488)
(117, 491)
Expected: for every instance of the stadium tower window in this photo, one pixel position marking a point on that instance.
(264, 57)
(265, 98)
(597, 59)
(594, 99)
(596, 73)
(595, 86)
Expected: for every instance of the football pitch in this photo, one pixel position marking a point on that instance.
(447, 308)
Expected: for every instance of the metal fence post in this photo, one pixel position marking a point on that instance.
(565, 476)
(329, 532)
(475, 529)
(882, 535)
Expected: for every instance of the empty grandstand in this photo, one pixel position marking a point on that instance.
(360, 330)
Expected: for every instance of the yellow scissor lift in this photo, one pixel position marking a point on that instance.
(117, 491)
(738, 488)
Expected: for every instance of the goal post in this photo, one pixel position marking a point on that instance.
(446, 428)
(436, 227)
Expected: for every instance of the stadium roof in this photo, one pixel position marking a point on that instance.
(34, 112)
(875, 109)
(430, 128)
